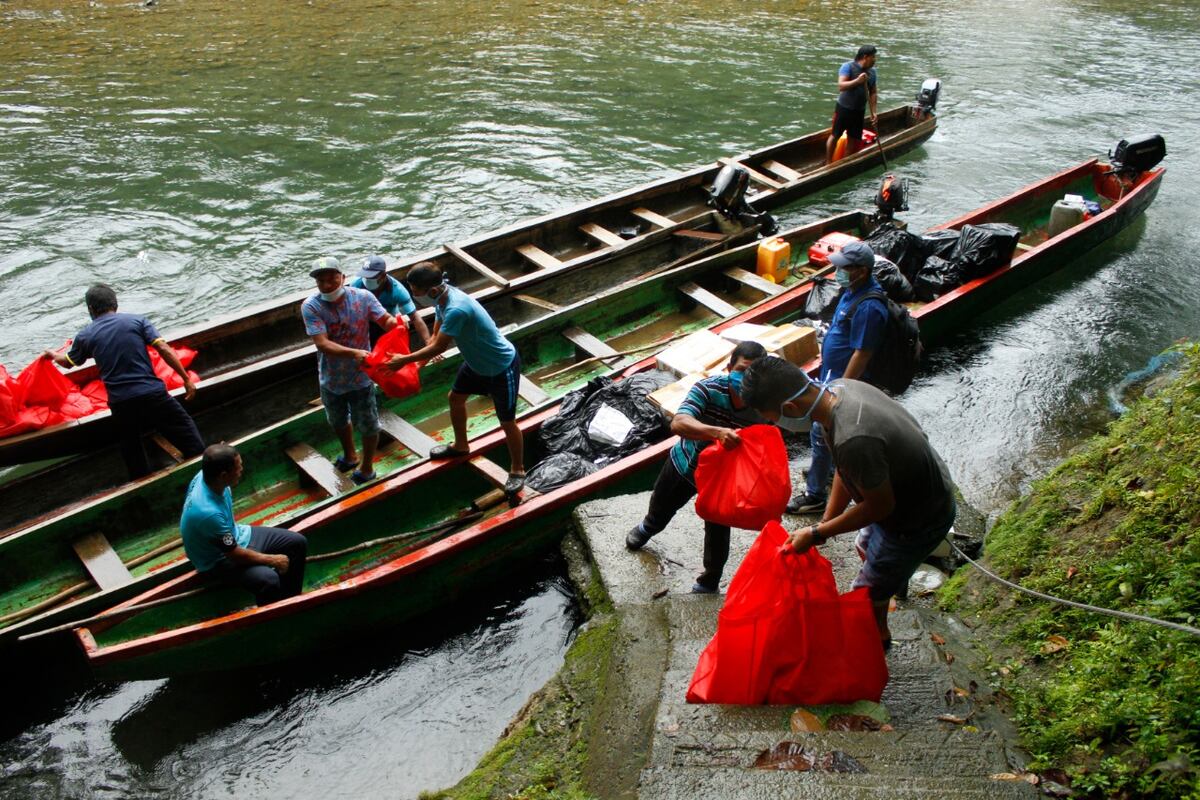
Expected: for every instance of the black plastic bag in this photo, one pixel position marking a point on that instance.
(823, 299)
(936, 278)
(983, 248)
(902, 248)
(567, 431)
(894, 284)
(939, 243)
(562, 433)
(559, 470)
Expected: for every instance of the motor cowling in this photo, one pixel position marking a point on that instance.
(1139, 153)
(728, 195)
(892, 196)
(927, 98)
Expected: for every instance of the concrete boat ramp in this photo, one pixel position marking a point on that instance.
(650, 743)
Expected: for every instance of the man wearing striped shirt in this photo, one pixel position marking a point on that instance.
(713, 411)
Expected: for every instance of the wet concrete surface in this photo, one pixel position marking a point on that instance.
(710, 750)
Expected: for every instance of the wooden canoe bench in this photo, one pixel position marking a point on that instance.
(754, 281)
(101, 561)
(709, 300)
(319, 470)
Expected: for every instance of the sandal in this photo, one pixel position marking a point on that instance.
(342, 465)
(359, 479)
(446, 451)
(514, 483)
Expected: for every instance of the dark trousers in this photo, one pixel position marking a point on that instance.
(153, 412)
(264, 583)
(671, 493)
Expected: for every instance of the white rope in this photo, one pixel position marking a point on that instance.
(1175, 626)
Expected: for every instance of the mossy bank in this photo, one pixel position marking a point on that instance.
(1113, 703)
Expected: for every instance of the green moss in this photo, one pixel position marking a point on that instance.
(1115, 525)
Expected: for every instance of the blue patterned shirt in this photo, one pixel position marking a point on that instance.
(346, 322)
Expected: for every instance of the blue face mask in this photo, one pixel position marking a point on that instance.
(372, 283)
(735, 381)
(800, 424)
(842, 277)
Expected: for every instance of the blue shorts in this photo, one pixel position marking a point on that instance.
(892, 560)
(501, 388)
(357, 406)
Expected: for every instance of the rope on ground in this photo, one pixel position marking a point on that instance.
(1175, 626)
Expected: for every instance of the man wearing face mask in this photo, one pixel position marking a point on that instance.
(902, 492)
(337, 318)
(491, 365)
(857, 330)
(713, 411)
(394, 298)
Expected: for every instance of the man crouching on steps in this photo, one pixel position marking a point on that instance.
(712, 412)
(902, 493)
(269, 562)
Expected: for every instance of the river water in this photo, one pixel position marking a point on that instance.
(197, 155)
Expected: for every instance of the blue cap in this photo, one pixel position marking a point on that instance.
(373, 267)
(853, 254)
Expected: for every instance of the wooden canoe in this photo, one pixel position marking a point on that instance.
(518, 273)
(216, 629)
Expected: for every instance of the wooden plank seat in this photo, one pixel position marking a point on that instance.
(782, 170)
(653, 218)
(705, 236)
(489, 470)
(601, 234)
(539, 257)
(709, 300)
(588, 343)
(101, 561)
(758, 282)
(533, 394)
(537, 302)
(755, 175)
(168, 448)
(407, 434)
(477, 265)
(319, 469)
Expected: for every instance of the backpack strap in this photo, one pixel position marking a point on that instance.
(874, 294)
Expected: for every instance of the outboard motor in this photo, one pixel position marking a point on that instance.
(927, 98)
(728, 195)
(1138, 154)
(891, 198)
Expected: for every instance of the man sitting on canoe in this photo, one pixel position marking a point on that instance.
(338, 319)
(491, 365)
(137, 398)
(394, 298)
(903, 496)
(856, 90)
(269, 562)
(712, 412)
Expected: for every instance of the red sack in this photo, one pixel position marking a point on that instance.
(163, 371)
(399, 382)
(785, 636)
(12, 401)
(45, 385)
(745, 487)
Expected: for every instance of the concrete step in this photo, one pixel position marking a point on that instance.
(752, 784)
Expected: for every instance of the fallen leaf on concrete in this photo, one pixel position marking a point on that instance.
(961, 692)
(837, 761)
(949, 657)
(789, 756)
(852, 722)
(886, 728)
(806, 722)
(661, 593)
(952, 718)
(938, 640)
(1005, 776)
(1055, 789)
(1031, 778)
(1054, 643)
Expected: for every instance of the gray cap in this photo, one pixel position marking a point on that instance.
(853, 254)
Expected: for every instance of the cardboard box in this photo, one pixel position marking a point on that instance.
(796, 343)
(745, 331)
(695, 353)
(670, 396)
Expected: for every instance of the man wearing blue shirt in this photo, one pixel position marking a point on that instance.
(490, 366)
(845, 353)
(137, 398)
(269, 562)
(856, 90)
(394, 298)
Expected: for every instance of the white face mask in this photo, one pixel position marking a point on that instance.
(334, 296)
(372, 283)
(799, 424)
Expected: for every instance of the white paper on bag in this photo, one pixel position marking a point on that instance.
(609, 427)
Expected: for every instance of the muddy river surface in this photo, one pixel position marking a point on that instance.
(198, 154)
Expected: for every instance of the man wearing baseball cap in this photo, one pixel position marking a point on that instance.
(394, 298)
(845, 353)
(856, 91)
(337, 318)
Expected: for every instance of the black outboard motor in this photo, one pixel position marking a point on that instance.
(927, 98)
(728, 195)
(1138, 154)
(891, 198)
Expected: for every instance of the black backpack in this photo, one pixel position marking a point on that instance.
(894, 365)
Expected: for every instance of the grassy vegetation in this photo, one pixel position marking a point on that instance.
(1114, 703)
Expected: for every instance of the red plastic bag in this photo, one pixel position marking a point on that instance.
(399, 382)
(745, 487)
(45, 385)
(786, 636)
(163, 371)
(12, 400)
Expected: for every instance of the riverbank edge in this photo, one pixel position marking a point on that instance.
(1103, 704)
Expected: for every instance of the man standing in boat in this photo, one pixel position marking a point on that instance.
(855, 334)
(856, 91)
(903, 496)
(394, 298)
(137, 398)
(713, 411)
(268, 562)
(491, 365)
(338, 319)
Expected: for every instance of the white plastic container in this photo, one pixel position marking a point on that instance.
(1066, 214)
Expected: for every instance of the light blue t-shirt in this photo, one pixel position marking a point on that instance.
(208, 526)
(483, 347)
(394, 297)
